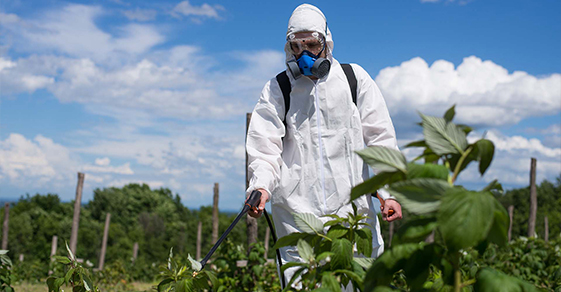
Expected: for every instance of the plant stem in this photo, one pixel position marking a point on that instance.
(457, 280)
(460, 162)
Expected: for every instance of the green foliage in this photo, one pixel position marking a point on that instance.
(76, 275)
(185, 278)
(6, 277)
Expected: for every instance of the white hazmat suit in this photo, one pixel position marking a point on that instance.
(309, 165)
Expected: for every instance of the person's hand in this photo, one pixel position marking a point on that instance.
(391, 204)
(261, 206)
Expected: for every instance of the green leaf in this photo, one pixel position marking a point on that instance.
(489, 280)
(337, 231)
(419, 195)
(427, 170)
(305, 250)
(88, 285)
(449, 115)
(308, 223)
(382, 270)
(289, 265)
(195, 265)
(465, 217)
(163, 284)
(364, 241)
(69, 275)
(352, 275)
(213, 279)
(343, 253)
(290, 240)
(58, 282)
(442, 137)
(364, 262)
(375, 183)
(72, 257)
(493, 187)
(384, 159)
(499, 229)
(420, 143)
(330, 282)
(51, 284)
(486, 150)
(62, 260)
(414, 231)
(465, 128)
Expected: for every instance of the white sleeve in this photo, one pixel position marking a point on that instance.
(264, 139)
(377, 126)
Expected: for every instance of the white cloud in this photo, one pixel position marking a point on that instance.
(102, 161)
(205, 10)
(485, 93)
(123, 169)
(37, 162)
(73, 31)
(141, 14)
(14, 79)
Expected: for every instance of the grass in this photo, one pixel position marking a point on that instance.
(132, 287)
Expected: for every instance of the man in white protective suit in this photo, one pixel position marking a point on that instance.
(301, 151)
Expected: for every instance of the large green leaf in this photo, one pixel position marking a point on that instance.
(337, 231)
(343, 253)
(364, 241)
(384, 159)
(419, 195)
(489, 280)
(420, 143)
(427, 170)
(499, 229)
(414, 231)
(364, 262)
(465, 217)
(330, 282)
(308, 223)
(305, 250)
(375, 183)
(291, 239)
(486, 150)
(442, 137)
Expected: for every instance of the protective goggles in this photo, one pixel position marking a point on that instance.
(305, 41)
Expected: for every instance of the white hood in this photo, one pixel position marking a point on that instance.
(307, 17)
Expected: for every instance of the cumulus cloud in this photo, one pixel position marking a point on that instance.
(485, 93)
(123, 169)
(39, 161)
(73, 31)
(102, 161)
(204, 11)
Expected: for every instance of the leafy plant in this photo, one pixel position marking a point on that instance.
(328, 260)
(183, 278)
(6, 277)
(77, 276)
(460, 218)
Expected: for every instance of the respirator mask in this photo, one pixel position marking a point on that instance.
(307, 48)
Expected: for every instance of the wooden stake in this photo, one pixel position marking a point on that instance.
(199, 236)
(21, 257)
(533, 199)
(267, 236)
(215, 214)
(54, 244)
(76, 218)
(6, 226)
(546, 227)
(104, 241)
(134, 252)
(511, 216)
(251, 222)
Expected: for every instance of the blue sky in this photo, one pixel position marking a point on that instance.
(157, 92)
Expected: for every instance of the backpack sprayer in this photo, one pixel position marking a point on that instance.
(250, 204)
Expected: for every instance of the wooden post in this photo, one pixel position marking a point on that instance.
(215, 214)
(6, 226)
(267, 236)
(134, 252)
(511, 216)
(391, 233)
(250, 221)
(76, 218)
(104, 241)
(533, 200)
(54, 244)
(546, 227)
(21, 257)
(199, 236)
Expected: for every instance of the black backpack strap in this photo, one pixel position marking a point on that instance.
(352, 79)
(285, 87)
